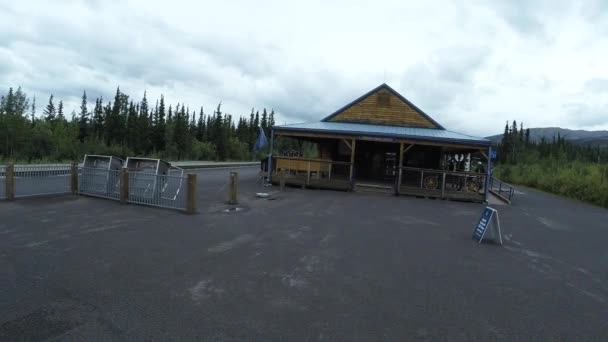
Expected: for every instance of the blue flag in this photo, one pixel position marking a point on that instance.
(260, 142)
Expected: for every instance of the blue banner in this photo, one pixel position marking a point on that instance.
(260, 142)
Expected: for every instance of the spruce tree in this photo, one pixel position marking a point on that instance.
(264, 121)
(98, 118)
(271, 121)
(200, 125)
(160, 126)
(132, 129)
(49, 111)
(83, 120)
(505, 148)
(181, 134)
(60, 116)
(33, 112)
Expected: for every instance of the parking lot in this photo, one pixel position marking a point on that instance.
(305, 265)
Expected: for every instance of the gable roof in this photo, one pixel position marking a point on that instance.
(395, 93)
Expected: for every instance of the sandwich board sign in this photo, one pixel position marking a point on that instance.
(485, 229)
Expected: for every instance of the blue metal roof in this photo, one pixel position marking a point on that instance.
(413, 133)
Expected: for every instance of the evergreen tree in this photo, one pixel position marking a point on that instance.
(208, 128)
(193, 127)
(60, 116)
(252, 132)
(220, 136)
(160, 126)
(264, 121)
(143, 108)
(181, 134)
(98, 118)
(505, 147)
(49, 111)
(116, 119)
(13, 122)
(271, 121)
(33, 112)
(200, 126)
(527, 136)
(131, 130)
(143, 124)
(83, 121)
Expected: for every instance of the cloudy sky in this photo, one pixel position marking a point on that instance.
(469, 64)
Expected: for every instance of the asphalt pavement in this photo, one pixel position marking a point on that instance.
(302, 265)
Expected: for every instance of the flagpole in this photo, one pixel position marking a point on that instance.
(270, 156)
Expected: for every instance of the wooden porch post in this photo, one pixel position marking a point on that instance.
(269, 165)
(401, 146)
(488, 174)
(352, 159)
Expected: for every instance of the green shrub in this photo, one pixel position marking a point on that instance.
(579, 180)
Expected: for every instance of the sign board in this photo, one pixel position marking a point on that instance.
(493, 154)
(485, 229)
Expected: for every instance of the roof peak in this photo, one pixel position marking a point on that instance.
(384, 85)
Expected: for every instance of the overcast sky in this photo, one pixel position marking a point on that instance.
(471, 65)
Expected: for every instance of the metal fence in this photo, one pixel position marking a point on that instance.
(166, 191)
(41, 180)
(157, 190)
(99, 183)
(2, 182)
(503, 189)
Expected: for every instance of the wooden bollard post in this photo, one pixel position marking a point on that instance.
(74, 178)
(282, 179)
(234, 177)
(124, 186)
(191, 196)
(10, 182)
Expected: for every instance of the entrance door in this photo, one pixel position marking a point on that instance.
(376, 161)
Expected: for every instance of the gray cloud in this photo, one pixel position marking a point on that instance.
(587, 115)
(448, 76)
(471, 66)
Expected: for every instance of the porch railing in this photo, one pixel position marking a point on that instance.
(439, 183)
(503, 189)
(312, 172)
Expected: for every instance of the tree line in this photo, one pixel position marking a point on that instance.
(125, 127)
(554, 165)
(517, 147)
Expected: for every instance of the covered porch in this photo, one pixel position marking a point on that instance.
(403, 161)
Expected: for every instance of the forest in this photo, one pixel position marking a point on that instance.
(124, 127)
(557, 166)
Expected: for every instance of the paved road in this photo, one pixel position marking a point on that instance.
(308, 265)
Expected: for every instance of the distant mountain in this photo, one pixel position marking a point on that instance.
(581, 137)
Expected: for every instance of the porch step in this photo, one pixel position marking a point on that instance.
(365, 187)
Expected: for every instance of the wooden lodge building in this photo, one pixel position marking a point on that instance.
(383, 142)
